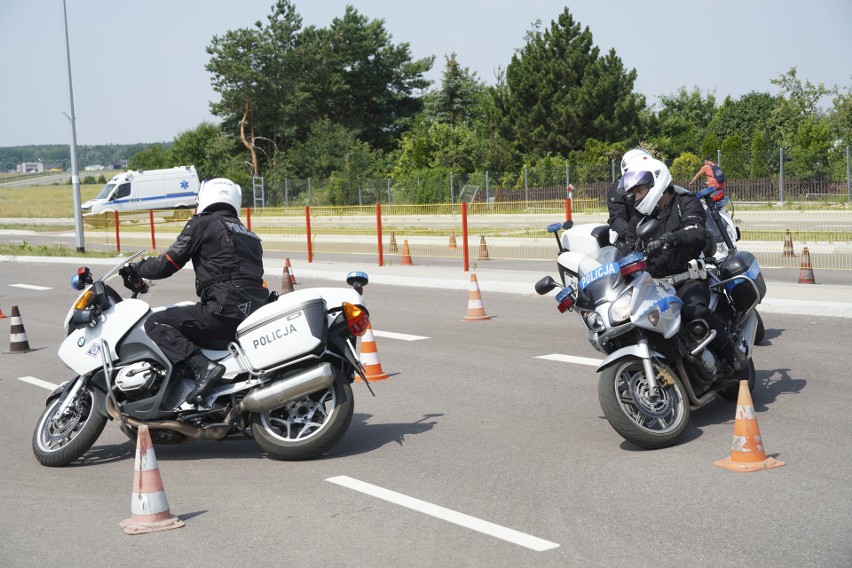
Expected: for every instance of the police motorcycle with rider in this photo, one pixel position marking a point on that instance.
(674, 333)
(242, 361)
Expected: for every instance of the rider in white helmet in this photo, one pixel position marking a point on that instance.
(619, 204)
(228, 262)
(682, 238)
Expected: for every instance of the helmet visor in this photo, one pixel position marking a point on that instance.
(633, 179)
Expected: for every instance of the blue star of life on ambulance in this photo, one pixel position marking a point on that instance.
(184, 184)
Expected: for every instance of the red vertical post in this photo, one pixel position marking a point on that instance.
(569, 202)
(248, 218)
(308, 231)
(151, 218)
(379, 232)
(117, 238)
(464, 237)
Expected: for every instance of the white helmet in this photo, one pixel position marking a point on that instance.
(652, 173)
(219, 190)
(637, 154)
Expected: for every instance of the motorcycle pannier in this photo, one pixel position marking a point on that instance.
(742, 263)
(282, 331)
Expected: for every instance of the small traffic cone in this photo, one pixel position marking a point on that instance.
(475, 308)
(392, 245)
(483, 248)
(452, 245)
(286, 282)
(2, 315)
(149, 509)
(18, 342)
(806, 273)
(406, 255)
(747, 453)
(370, 357)
(290, 271)
(788, 245)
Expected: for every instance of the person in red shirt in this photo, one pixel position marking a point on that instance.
(707, 171)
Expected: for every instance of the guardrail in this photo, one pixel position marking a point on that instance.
(503, 231)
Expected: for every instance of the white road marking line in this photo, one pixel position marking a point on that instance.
(485, 527)
(38, 383)
(30, 286)
(402, 336)
(571, 359)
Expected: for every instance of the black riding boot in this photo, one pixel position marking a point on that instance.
(206, 373)
(735, 358)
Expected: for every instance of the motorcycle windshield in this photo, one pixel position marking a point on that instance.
(599, 273)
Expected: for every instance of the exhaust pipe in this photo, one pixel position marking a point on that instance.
(281, 392)
(193, 433)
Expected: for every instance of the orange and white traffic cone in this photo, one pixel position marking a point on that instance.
(370, 357)
(475, 308)
(149, 509)
(806, 272)
(290, 271)
(18, 342)
(747, 453)
(788, 245)
(483, 248)
(452, 245)
(406, 255)
(392, 244)
(2, 315)
(286, 282)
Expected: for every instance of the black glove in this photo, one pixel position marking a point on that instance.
(666, 242)
(626, 247)
(133, 281)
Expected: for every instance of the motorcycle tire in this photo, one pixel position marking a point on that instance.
(291, 432)
(760, 333)
(645, 422)
(733, 392)
(57, 446)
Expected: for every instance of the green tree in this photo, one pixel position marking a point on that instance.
(559, 92)
(734, 158)
(682, 121)
(810, 149)
(759, 166)
(458, 98)
(152, 158)
(372, 82)
(798, 103)
(743, 116)
(194, 148)
(684, 167)
(710, 146)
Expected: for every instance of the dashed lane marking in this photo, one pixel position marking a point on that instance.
(402, 336)
(571, 359)
(30, 287)
(38, 383)
(485, 527)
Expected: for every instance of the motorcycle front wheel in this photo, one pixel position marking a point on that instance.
(59, 440)
(643, 419)
(308, 427)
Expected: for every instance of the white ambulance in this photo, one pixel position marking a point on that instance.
(173, 188)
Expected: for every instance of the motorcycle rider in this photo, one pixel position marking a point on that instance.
(228, 262)
(683, 238)
(619, 204)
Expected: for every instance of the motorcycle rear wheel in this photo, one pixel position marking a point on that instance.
(308, 427)
(648, 422)
(58, 443)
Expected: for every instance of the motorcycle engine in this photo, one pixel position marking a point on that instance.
(137, 377)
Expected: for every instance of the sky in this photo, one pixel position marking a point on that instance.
(138, 71)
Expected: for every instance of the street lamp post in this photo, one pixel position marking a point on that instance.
(75, 171)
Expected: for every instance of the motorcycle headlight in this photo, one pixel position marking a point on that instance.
(619, 311)
(593, 320)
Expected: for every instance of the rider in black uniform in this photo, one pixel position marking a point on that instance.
(682, 239)
(228, 262)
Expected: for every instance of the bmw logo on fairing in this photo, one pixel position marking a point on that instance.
(81, 342)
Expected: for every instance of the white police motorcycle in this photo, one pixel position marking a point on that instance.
(287, 379)
(657, 369)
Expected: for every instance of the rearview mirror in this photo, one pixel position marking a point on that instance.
(545, 285)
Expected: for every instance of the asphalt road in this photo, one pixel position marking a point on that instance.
(472, 435)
